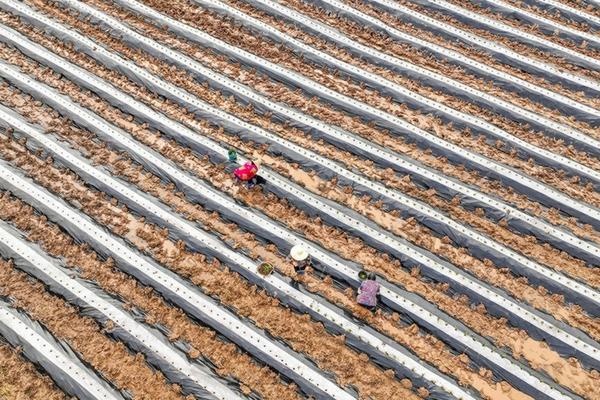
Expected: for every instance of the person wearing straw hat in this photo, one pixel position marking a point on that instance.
(300, 258)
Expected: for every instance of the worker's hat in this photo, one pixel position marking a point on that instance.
(299, 253)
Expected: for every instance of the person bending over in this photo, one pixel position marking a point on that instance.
(368, 292)
(247, 173)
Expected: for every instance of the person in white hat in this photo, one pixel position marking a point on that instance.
(300, 258)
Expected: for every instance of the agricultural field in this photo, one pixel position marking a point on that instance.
(447, 149)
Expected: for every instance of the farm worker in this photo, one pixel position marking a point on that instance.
(300, 258)
(247, 173)
(232, 155)
(368, 292)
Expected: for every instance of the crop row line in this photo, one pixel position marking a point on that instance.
(222, 152)
(66, 369)
(582, 15)
(520, 181)
(482, 69)
(401, 92)
(146, 271)
(219, 176)
(505, 8)
(45, 270)
(173, 152)
(292, 134)
(278, 92)
(492, 24)
(19, 376)
(296, 219)
(195, 234)
(170, 130)
(517, 58)
(295, 191)
(522, 47)
(363, 146)
(441, 81)
(547, 175)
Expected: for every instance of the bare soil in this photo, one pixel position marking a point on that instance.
(556, 16)
(148, 184)
(303, 335)
(328, 352)
(517, 46)
(238, 36)
(532, 29)
(423, 345)
(372, 39)
(410, 229)
(229, 359)
(438, 162)
(584, 6)
(20, 380)
(128, 371)
(549, 176)
(474, 53)
(581, 271)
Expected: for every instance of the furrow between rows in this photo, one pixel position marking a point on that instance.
(20, 379)
(460, 94)
(531, 296)
(195, 378)
(543, 22)
(394, 22)
(581, 8)
(241, 111)
(503, 13)
(204, 342)
(286, 131)
(577, 17)
(127, 371)
(455, 26)
(151, 184)
(232, 290)
(585, 56)
(546, 174)
(374, 98)
(314, 183)
(210, 172)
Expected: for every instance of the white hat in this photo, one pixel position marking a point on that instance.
(298, 253)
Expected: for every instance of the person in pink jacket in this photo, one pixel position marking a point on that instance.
(247, 173)
(368, 292)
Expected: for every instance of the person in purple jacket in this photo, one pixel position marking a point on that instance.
(368, 292)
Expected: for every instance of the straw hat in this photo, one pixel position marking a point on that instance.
(298, 253)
